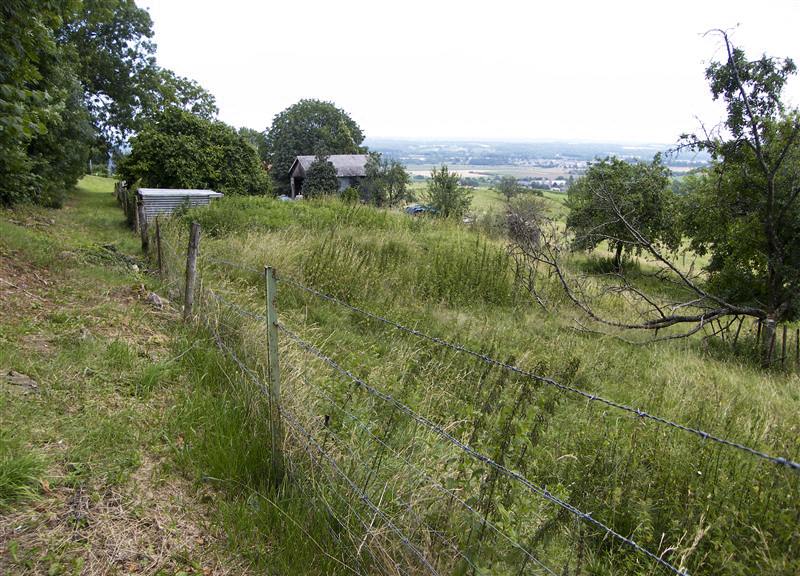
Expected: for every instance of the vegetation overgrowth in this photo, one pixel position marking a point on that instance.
(701, 506)
(106, 443)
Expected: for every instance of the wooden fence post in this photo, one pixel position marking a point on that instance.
(783, 349)
(276, 425)
(143, 226)
(135, 214)
(160, 254)
(191, 270)
(797, 347)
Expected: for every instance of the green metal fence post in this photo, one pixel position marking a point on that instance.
(276, 425)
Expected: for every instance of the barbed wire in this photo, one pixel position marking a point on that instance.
(351, 452)
(230, 264)
(542, 492)
(485, 358)
(166, 243)
(235, 306)
(230, 353)
(221, 343)
(432, 481)
(363, 497)
(332, 485)
(549, 381)
(226, 349)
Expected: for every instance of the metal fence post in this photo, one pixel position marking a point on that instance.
(191, 270)
(276, 425)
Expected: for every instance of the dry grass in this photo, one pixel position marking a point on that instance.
(150, 525)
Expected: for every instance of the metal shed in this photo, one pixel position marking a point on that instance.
(157, 201)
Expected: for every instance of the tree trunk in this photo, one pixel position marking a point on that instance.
(768, 336)
(618, 258)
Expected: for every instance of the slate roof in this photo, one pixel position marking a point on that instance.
(347, 165)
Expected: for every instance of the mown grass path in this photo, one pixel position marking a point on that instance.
(87, 481)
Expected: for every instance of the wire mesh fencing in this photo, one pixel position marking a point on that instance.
(408, 487)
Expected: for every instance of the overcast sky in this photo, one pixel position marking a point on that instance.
(608, 70)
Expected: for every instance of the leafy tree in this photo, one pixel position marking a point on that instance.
(43, 130)
(320, 177)
(509, 187)
(115, 57)
(181, 150)
(165, 89)
(124, 89)
(744, 210)
(76, 79)
(26, 105)
(445, 195)
(615, 195)
(58, 156)
(386, 182)
(302, 129)
(258, 140)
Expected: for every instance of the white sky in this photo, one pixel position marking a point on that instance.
(613, 70)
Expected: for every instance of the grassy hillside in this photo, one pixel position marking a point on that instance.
(440, 422)
(550, 473)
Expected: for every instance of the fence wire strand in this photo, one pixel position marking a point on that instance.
(363, 497)
(433, 483)
(325, 461)
(542, 492)
(549, 381)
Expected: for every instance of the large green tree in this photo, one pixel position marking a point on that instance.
(77, 77)
(110, 41)
(58, 156)
(164, 89)
(181, 150)
(615, 196)
(386, 182)
(744, 210)
(258, 140)
(509, 187)
(43, 130)
(303, 129)
(445, 195)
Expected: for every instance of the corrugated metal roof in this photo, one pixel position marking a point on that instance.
(164, 200)
(178, 192)
(347, 165)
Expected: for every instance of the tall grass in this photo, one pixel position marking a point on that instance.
(20, 470)
(701, 506)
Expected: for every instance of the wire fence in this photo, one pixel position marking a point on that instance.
(408, 493)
